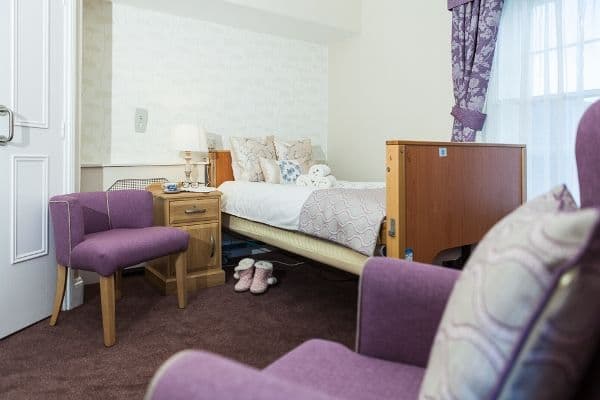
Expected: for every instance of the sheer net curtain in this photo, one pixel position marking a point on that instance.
(546, 73)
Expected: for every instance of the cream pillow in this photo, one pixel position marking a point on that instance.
(246, 154)
(270, 170)
(282, 171)
(298, 150)
(522, 317)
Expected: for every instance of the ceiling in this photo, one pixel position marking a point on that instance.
(320, 21)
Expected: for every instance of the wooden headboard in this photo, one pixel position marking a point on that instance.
(220, 167)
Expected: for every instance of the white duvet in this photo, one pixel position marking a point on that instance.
(273, 204)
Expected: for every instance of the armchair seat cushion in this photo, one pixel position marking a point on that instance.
(335, 370)
(105, 252)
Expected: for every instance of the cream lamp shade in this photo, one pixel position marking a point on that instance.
(188, 137)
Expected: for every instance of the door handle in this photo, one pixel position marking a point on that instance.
(11, 125)
(212, 246)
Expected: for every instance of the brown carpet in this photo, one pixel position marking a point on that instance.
(69, 360)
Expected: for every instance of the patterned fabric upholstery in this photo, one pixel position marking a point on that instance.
(246, 154)
(299, 150)
(514, 307)
(474, 30)
(290, 171)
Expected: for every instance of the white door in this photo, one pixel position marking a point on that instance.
(32, 164)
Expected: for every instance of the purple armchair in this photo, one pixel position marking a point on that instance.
(105, 232)
(400, 308)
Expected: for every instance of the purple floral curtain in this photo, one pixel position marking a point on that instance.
(474, 31)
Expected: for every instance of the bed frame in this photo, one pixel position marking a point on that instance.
(439, 196)
(446, 195)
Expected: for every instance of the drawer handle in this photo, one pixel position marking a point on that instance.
(195, 210)
(212, 246)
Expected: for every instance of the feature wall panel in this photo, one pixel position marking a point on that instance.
(29, 207)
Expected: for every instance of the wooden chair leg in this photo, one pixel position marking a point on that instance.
(118, 279)
(107, 299)
(180, 277)
(61, 282)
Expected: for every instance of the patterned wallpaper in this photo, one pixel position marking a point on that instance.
(96, 82)
(232, 82)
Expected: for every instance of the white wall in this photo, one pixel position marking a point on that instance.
(231, 81)
(392, 81)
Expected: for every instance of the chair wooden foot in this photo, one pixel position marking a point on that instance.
(61, 282)
(107, 299)
(118, 279)
(180, 277)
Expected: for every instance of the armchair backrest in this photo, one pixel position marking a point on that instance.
(128, 209)
(78, 214)
(587, 152)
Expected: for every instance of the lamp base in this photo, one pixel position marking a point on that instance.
(188, 168)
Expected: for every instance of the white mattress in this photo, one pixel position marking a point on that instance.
(273, 204)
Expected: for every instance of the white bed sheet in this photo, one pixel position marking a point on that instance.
(273, 204)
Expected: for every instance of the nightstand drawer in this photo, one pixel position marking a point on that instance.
(197, 210)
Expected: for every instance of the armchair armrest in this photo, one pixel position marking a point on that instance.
(400, 307)
(195, 375)
(67, 221)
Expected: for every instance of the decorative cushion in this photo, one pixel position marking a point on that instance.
(270, 170)
(526, 298)
(246, 154)
(290, 171)
(299, 150)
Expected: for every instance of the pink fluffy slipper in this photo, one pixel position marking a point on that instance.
(263, 277)
(245, 273)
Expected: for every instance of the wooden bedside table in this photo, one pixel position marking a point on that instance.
(199, 214)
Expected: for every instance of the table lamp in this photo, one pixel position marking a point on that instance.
(188, 138)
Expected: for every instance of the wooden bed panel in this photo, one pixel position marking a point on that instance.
(220, 167)
(442, 201)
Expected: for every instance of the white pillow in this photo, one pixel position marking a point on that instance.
(246, 154)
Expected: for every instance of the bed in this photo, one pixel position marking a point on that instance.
(438, 196)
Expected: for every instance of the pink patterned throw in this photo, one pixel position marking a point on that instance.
(350, 217)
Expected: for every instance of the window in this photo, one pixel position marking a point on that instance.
(546, 73)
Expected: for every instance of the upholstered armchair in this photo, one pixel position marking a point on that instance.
(400, 307)
(105, 232)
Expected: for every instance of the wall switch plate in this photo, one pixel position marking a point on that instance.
(141, 120)
(443, 152)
